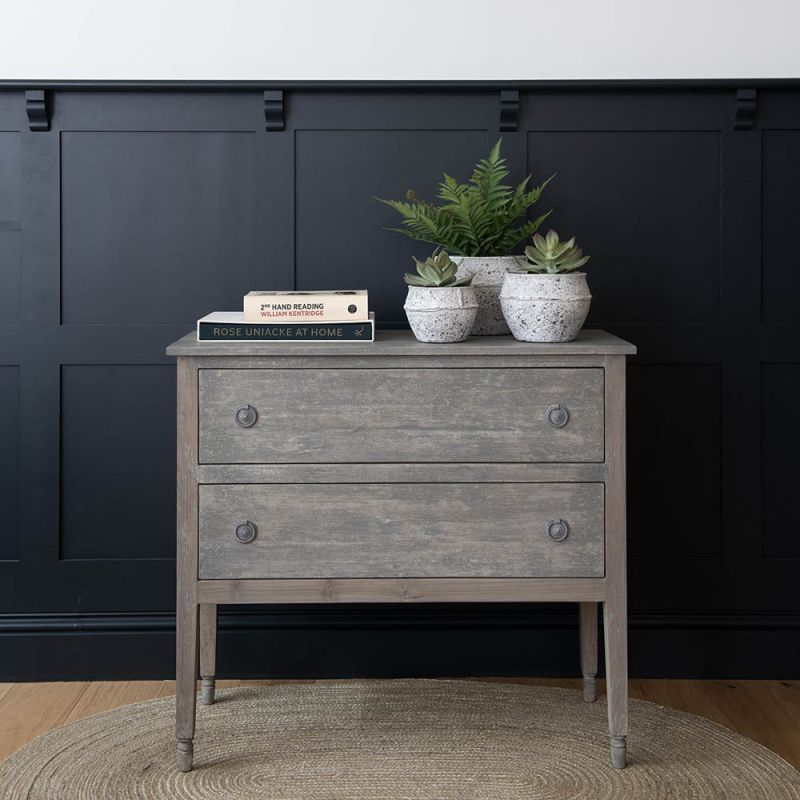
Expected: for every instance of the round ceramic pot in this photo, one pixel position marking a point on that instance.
(545, 308)
(441, 313)
(487, 279)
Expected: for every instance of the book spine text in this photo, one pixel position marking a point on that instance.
(311, 332)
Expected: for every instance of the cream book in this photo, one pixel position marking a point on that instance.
(328, 306)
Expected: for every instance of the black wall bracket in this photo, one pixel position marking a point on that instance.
(509, 110)
(36, 108)
(744, 110)
(274, 110)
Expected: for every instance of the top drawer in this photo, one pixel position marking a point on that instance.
(285, 416)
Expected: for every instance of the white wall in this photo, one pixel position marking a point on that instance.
(401, 39)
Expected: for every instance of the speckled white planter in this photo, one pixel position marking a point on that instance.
(545, 308)
(441, 314)
(487, 272)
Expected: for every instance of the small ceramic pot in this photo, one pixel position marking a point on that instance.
(545, 308)
(441, 313)
(487, 279)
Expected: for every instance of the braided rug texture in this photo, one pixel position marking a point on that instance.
(393, 740)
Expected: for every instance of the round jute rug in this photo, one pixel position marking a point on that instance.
(386, 740)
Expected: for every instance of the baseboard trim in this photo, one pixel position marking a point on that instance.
(395, 642)
(389, 618)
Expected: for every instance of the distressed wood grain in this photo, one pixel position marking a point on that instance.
(615, 606)
(590, 341)
(401, 415)
(187, 650)
(401, 530)
(402, 473)
(403, 590)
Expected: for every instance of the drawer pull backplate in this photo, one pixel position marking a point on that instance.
(246, 532)
(557, 530)
(246, 416)
(558, 416)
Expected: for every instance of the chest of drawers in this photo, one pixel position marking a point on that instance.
(489, 470)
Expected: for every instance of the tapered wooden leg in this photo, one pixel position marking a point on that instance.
(208, 652)
(616, 649)
(615, 606)
(588, 636)
(186, 680)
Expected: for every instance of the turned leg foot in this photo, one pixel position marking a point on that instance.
(184, 753)
(619, 752)
(207, 690)
(185, 683)
(589, 688)
(588, 637)
(208, 652)
(616, 641)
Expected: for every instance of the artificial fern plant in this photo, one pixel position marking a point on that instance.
(475, 218)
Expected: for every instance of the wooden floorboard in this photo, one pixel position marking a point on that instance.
(30, 709)
(105, 695)
(765, 711)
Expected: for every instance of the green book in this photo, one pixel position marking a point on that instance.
(229, 326)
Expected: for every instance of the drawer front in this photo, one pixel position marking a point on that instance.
(401, 530)
(273, 416)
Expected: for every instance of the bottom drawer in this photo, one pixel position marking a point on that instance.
(393, 530)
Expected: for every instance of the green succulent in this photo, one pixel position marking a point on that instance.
(549, 254)
(436, 270)
(475, 218)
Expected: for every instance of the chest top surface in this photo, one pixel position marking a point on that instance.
(590, 341)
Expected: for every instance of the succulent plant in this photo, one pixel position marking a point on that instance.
(436, 270)
(548, 254)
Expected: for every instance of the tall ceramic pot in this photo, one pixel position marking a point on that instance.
(543, 307)
(487, 279)
(441, 313)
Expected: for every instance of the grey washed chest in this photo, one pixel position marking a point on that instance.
(489, 470)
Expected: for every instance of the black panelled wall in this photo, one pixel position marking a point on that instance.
(144, 207)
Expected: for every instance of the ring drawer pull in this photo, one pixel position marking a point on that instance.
(246, 532)
(557, 529)
(246, 416)
(558, 416)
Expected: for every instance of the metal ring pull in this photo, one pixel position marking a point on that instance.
(557, 529)
(246, 416)
(558, 416)
(246, 531)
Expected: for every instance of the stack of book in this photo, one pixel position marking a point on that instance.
(329, 316)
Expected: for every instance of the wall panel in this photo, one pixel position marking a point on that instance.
(340, 228)
(173, 212)
(675, 461)
(144, 207)
(10, 277)
(781, 243)
(645, 205)
(10, 267)
(117, 461)
(9, 180)
(9, 463)
(781, 430)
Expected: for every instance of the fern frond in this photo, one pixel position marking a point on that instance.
(514, 236)
(474, 218)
